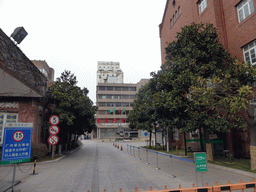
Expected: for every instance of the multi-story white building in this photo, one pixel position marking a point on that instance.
(109, 72)
(114, 100)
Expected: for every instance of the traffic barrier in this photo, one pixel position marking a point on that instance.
(34, 169)
(217, 188)
(121, 148)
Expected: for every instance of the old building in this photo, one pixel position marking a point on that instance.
(22, 88)
(114, 99)
(235, 21)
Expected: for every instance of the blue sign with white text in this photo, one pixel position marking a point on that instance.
(16, 146)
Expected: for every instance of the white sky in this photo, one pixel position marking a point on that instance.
(75, 35)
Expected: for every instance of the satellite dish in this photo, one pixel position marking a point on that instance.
(19, 34)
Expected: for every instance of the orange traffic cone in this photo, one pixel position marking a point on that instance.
(121, 148)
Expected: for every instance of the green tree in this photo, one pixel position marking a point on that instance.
(72, 105)
(143, 116)
(201, 85)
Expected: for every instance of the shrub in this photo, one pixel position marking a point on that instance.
(38, 151)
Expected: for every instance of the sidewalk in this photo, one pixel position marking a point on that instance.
(23, 171)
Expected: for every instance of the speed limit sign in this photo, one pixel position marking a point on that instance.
(54, 120)
(18, 136)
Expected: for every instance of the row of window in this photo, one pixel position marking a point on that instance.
(116, 97)
(111, 88)
(117, 112)
(175, 17)
(103, 104)
(112, 120)
(244, 9)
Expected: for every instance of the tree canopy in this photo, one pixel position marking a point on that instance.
(199, 86)
(72, 105)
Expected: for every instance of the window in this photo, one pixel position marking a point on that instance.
(179, 10)
(173, 18)
(244, 9)
(110, 88)
(125, 88)
(101, 104)
(102, 96)
(101, 112)
(117, 96)
(118, 104)
(171, 22)
(132, 97)
(101, 88)
(117, 88)
(132, 88)
(6, 118)
(125, 96)
(125, 104)
(202, 4)
(110, 104)
(176, 14)
(249, 53)
(110, 96)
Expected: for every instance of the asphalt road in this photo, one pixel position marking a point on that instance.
(99, 165)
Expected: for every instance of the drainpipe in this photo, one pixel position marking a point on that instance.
(224, 26)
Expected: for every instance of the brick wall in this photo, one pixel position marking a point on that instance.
(222, 14)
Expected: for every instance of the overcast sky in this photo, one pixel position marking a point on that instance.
(75, 35)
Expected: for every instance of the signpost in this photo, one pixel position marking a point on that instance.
(16, 146)
(53, 130)
(200, 164)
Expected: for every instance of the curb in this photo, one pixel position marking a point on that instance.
(244, 173)
(48, 161)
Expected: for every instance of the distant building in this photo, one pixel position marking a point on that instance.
(44, 68)
(114, 100)
(109, 72)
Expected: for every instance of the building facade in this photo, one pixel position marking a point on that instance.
(109, 72)
(235, 21)
(114, 100)
(22, 89)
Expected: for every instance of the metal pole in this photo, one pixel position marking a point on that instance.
(52, 151)
(157, 168)
(134, 154)
(127, 149)
(130, 149)
(173, 176)
(202, 179)
(139, 153)
(13, 179)
(147, 157)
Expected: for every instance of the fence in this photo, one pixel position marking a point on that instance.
(217, 188)
(155, 156)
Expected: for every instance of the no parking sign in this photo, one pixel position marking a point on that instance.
(17, 141)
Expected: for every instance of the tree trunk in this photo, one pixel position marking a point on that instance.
(209, 152)
(253, 147)
(150, 139)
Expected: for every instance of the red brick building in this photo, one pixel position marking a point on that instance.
(22, 88)
(235, 21)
